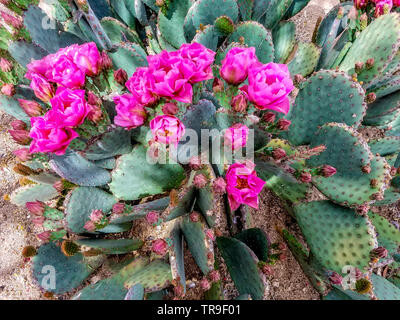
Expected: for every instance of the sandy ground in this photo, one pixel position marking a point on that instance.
(287, 281)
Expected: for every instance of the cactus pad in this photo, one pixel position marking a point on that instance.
(112, 246)
(257, 241)
(31, 193)
(284, 40)
(385, 146)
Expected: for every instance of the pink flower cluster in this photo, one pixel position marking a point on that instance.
(269, 85)
(169, 76)
(57, 79)
(381, 6)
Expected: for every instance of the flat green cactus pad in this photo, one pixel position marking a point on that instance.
(388, 234)
(305, 59)
(81, 202)
(208, 37)
(328, 96)
(384, 289)
(384, 111)
(380, 41)
(348, 153)
(284, 40)
(257, 241)
(385, 146)
(337, 236)
(31, 193)
(112, 246)
(54, 272)
(129, 56)
(242, 266)
(135, 177)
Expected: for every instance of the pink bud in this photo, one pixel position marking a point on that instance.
(363, 210)
(370, 63)
(96, 216)
(194, 216)
(95, 113)
(278, 154)
(106, 62)
(18, 125)
(31, 108)
(267, 270)
(239, 103)
(371, 98)
(283, 124)
(59, 186)
(20, 136)
(170, 108)
(219, 185)
(305, 177)
(159, 247)
(118, 208)
(335, 278)
(210, 234)
(93, 99)
(269, 117)
(366, 169)
(38, 220)
(121, 76)
(214, 276)
(36, 207)
(152, 217)
(5, 65)
(379, 253)
(328, 171)
(44, 236)
(195, 163)
(90, 226)
(298, 79)
(200, 181)
(205, 284)
(15, 22)
(8, 89)
(218, 85)
(22, 154)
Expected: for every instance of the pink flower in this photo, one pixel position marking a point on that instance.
(269, 87)
(22, 154)
(87, 57)
(70, 106)
(96, 216)
(42, 88)
(67, 73)
(396, 3)
(31, 108)
(130, 113)
(167, 129)
(243, 185)
(235, 66)
(139, 86)
(197, 61)
(169, 77)
(49, 136)
(90, 226)
(382, 7)
(152, 217)
(236, 136)
(219, 185)
(159, 247)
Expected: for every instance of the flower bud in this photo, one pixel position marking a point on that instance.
(374, 183)
(370, 63)
(219, 185)
(366, 169)
(96, 216)
(94, 99)
(20, 136)
(278, 154)
(152, 217)
(360, 4)
(170, 109)
(328, 171)
(121, 76)
(218, 85)
(105, 61)
(205, 284)
(36, 207)
(15, 22)
(194, 216)
(200, 181)
(38, 220)
(239, 103)
(269, 117)
(305, 177)
(298, 79)
(335, 278)
(266, 269)
(363, 21)
(95, 113)
(118, 208)
(214, 276)
(44, 236)
(8, 89)
(22, 154)
(90, 226)
(359, 66)
(371, 97)
(5, 65)
(31, 108)
(18, 125)
(159, 247)
(379, 253)
(195, 163)
(283, 124)
(59, 186)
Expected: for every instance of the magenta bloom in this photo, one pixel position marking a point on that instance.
(382, 7)
(167, 129)
(235, 66)
(71, 106)
(269, 87)
(42, 88)
(197, 60)
(67, 74)
(243, 185)
(396, 3)
(88, 58)
(236, 136)
(360, 4)
(152, 217)
(159, 247)
(49, 136)
(139, 86)
(170, 77)
(130, 113)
